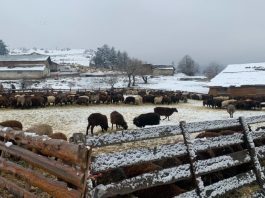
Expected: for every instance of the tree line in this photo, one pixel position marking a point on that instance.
(3, 48)
(110, 58)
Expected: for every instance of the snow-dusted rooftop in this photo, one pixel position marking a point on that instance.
(240, 74)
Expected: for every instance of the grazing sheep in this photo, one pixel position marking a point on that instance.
(231, 110)
(146, 119)
(20, 100)
(117, 118)
(158, 99)
(82, 100)
(138, 100)
(51, 100)
(12, 123)
(129, 100)
(225, 103)
(40, 129)
(148, 99)
(58, 135)
(165, 111)
(96, 119)
(166, 100)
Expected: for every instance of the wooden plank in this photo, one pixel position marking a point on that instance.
(164, 131)
(220, 188)
(192, 159)
(219, 124)
(143, 181)
(54, 188)
(15, 189)
(133, 135)
(62, 171)
(222, 162)
(75, 154)
(253, 154)
(110, 161)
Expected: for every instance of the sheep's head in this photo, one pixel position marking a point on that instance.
(136, 122)
(125, 126)
(175, 109)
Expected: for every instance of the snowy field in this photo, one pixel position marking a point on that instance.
(171, 83)
(73, 119)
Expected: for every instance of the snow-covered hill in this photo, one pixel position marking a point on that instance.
(60, 56)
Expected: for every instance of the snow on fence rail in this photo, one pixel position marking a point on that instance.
(193, 169)
(63, 175)
(164, 131)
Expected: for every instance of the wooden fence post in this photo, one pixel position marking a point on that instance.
(192, 158)
(253, 154)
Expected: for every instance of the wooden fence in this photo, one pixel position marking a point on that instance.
(56, 167)
(193, 170)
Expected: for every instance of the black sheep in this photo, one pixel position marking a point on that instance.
(146, 119)
(96, 119)
(117, 118)
(165, 111)
(129, 100)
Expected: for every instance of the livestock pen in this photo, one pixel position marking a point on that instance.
(80, 170)
(194, 170)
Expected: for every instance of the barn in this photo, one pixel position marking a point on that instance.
(163, 70)
(239, 80)
(33, 66)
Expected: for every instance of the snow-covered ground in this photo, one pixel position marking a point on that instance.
(73, 119)
(60, 56)
(160, 82)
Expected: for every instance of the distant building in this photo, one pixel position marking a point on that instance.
(33, 66)
(163, 70)
(239, 80)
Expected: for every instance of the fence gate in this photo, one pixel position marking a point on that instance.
(236, 150)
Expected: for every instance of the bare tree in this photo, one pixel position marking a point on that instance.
(111, 80)
(144, 70)
(212, 70)
(130, 69)
(188, 66)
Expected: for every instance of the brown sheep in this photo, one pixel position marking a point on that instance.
(12, 123)
(96, 119)
(58, 135)
(117, 118)
(165, 111)
(40, 129)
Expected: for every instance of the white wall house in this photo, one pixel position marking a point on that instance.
(23, 71)
(33, 66)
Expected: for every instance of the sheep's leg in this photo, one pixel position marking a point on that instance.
(168, 118)
(165, 118)
(88, 126)
(112, 126)
(92, 127)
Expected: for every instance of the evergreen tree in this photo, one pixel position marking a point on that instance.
(3, 48)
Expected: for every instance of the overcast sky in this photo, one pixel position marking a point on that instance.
(156, 31)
